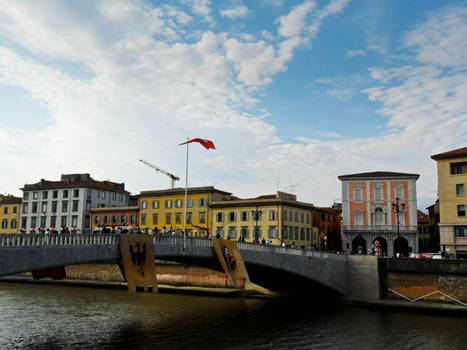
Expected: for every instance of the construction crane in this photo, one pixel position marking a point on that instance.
(173, 178)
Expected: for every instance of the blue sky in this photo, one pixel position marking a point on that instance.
(293, 93)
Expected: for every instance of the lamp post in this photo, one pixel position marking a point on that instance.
(396, 208)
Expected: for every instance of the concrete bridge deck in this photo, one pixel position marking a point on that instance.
(273, 267)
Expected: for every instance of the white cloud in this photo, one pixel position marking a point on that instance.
(235, 12)
(294, 23)
(353, 53)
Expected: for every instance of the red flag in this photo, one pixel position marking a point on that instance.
(206, 143)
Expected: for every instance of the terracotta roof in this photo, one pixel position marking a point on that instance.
(10, 200)
(251, 202)
(456, 153)
(181, 190)
(378, 174)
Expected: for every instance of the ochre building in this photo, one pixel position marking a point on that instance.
(117, 217)
(452, 182)
(9, 214)
(164, 209)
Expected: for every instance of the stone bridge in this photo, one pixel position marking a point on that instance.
(273, 267)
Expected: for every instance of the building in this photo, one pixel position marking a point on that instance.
(368, 213)
(119, 217)
(452, 182)
(328, 224)
(10, 208)
(68, 202)
(433, 213)
(424, 234)
(165, 208)
(277, 218)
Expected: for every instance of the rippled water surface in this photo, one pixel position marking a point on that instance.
(56, 317)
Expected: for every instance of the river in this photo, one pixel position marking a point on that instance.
(61, 317)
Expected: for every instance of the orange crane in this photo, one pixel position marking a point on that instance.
(173, 178)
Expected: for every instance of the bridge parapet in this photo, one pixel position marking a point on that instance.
(36, 240)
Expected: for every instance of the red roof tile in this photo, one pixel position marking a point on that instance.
(456, 153)
(379, 174)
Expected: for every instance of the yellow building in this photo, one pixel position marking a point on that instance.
(165, 208)
(452, 183)
(277, 218)
(9, 214)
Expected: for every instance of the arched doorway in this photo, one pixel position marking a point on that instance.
(401, 246)
(359, 245)
(383, 244)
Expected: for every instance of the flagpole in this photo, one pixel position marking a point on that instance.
(186, 196)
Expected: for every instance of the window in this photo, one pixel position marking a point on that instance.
(307, 218)
(25, 208)
(188, 218)
(44, 207)
(53, 221)
(168, 203)
(26, 196)
(123, 219)
(155, 204)
(33, 221)
(296, 233)
(64, 206)
(45, 194)
(4, 223)
(189, 203)
(15, 210)
(461, 210)
(285, 232)
(155, 219)
(76, 193)
(35, 195)
(88, 206)
(168, 219)
(74, 221)
(272, 232)
(65, 193)
(460, 190)
(133, 219)
(379, 217)
(358, 193)
(13, 223)
(232, 216)
(302, 234)
(63, 221)
(89, 193)
(144, 204)
(458, 168)
(55, 194)
(379, 192)
(120, 197)
(34, 208)
(103, 194)
(5, 210)
(43, 219)
(284, 214)
(54, 206)
(220, 217)
(296, 216)
(244, 216)
(97, 220)
(75, 206)
(106, 219)
(143, 219)
(202, 202)
(257, 232)
(114, 196)
(220, 232)
(308, 234)
(24, 222)
(257, 215)
(178, 218)
(272, 215)
(302, 218)
(400, 191)
(461, 231)
(245, 232)
(114, 219)
(358, 216)
(232, 232)
(178, 203)
(202, 217)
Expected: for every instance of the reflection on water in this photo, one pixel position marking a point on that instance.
(56, 317)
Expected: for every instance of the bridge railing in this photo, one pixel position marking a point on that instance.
(36, 240)
(280, 250)
(177, 240)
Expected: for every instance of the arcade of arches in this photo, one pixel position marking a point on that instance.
(400, 245)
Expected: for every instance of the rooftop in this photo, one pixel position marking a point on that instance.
(181, 190)
(378, 175)
(456, 153)
(9, 199)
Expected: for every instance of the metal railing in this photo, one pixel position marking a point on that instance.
(427, 295)
(378, 228)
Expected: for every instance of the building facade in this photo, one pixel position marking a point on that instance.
(368, 212)
(328, 224)
(117, 217)
(164, 209)
(277, 218)
(67, 203)
(452, 182)
(10, 208)
(433, 213)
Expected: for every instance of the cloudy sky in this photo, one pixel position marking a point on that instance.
(293, 93)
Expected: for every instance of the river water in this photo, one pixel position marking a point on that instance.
(59, 317)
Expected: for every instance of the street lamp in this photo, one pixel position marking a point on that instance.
(396, 208)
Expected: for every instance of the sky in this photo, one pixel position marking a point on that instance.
(292, 93)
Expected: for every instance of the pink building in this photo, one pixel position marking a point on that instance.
(369, 214)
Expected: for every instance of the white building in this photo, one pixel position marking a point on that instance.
(68, 202)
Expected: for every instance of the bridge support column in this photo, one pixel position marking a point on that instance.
(137, 262)
(232, 262)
